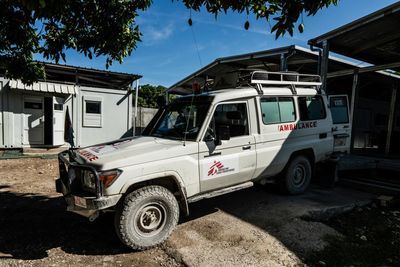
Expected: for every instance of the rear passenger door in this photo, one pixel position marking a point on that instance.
(339, 107)
(315, 127)
(233, 161)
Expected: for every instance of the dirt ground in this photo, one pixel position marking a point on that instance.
(35, 229)
(252, 227)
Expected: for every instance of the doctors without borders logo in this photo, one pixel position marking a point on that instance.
(218, 168)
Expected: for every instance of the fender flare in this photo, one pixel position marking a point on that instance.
(183, 203)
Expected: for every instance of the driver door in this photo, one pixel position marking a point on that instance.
(234, 160)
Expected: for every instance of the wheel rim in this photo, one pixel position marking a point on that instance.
(150, 219)
(299, 175)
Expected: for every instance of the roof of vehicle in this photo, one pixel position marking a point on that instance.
(247, 92)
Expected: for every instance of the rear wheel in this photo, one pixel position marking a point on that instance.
(146, 217)
(297, 175)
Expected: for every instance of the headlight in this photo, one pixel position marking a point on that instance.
(89, 180)
(108, 177)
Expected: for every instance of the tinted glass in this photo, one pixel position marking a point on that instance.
(93, 107)
(232, 115)
(311, 108)
(58, 106)
(286, 109)
(33, 105)
(339, 111)
(270, 110)
(277, 110)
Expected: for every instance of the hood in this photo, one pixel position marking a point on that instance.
(130, 151)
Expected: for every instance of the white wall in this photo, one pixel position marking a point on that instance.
(115, 115)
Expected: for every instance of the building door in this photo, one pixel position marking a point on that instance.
(33, 122)
(58, 121)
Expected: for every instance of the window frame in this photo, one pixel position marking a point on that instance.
(214, 107)
(277, 97)
(92, 120)
(323, 106)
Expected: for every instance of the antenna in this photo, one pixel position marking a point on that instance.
(193, 93)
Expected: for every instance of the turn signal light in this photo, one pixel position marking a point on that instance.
(108, 177)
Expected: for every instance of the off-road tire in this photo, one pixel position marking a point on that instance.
(296, 176)
(133, 205)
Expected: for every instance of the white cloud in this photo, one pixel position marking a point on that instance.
(153, 34)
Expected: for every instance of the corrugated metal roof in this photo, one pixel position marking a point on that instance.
(300, 59)
(47, 87)
(374, 38)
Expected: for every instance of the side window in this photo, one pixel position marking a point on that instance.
(311, 108)
(232, 115)
(277, 110)
(339, 111)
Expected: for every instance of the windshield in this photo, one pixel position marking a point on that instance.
(182, 118)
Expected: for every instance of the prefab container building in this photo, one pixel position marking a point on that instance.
(96, 104)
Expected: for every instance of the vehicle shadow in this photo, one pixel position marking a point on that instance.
(32, 224)
(284, 217)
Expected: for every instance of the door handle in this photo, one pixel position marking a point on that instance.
(246, 147)
(323, 135)
(213, 154)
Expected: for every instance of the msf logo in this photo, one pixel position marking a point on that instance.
(215, 168)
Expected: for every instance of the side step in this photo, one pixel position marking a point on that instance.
(220, 192)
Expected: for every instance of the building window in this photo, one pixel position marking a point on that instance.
(311, 108)
(277, 110)
(93, 107)
(92, 111)
(58, 107)
(33, 105)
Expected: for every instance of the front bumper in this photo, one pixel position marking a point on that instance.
(78, 201)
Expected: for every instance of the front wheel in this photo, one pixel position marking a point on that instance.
(146, 217)
(297, 175)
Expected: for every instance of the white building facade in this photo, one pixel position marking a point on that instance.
(73, 106)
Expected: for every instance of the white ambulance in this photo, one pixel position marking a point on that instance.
(253, 127)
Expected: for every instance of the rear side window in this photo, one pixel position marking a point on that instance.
(277, 110)
(311, 108)
(338, 105)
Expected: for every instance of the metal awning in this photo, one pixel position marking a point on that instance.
(45, 87)
(296, 58)
(374, 39)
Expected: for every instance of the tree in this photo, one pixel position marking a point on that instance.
(148, 95)
(108, 28)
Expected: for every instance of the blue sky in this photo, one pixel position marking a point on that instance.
(168, 51)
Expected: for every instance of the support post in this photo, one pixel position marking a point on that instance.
(391, 118)
(354, 98)
(136, 108)
(283, 65)
(324, 64)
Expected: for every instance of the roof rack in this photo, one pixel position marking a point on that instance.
(284, 78)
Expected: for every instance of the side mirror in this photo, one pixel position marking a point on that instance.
(223, 133)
